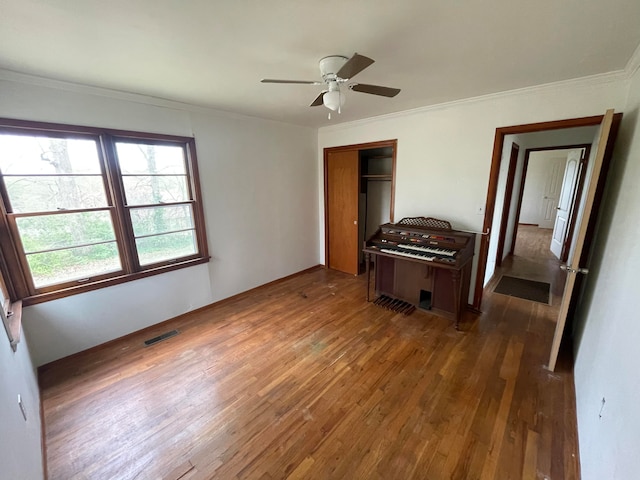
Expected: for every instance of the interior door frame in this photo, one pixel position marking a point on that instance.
(508, 195)
(393, 143)
(576, 194)
(494, 173)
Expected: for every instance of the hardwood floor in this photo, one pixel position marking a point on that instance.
(533, 260)
(304, 379)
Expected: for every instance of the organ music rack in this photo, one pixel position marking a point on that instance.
(424, 262)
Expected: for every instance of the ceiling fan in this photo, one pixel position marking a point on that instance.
(337, 70)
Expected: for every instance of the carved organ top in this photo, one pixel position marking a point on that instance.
(423, 239)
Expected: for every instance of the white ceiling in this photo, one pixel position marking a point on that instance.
(214, 53)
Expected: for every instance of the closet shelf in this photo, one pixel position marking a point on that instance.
(378, 176)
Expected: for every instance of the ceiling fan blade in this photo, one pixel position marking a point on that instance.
(302, 82)
(318, 101)
(354, 65)
(374, 89)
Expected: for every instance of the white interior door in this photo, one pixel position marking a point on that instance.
(573, 266)
(563, 209)
(552, 186)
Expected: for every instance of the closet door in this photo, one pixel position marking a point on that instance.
(342, 177)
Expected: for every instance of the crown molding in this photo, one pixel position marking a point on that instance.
(591, 80)
(634, 63)
(630, 69)
(35, 80)
(18, 77)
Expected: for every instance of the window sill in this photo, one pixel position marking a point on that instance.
(89, 286)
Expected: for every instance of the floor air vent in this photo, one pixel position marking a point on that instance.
(160, 338)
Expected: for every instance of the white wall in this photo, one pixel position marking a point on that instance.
(608, 324)
(20, 447)
(444, 152)
(259, 185)
(378, 203)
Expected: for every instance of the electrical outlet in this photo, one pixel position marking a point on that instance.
(22, 409)
(480, 210)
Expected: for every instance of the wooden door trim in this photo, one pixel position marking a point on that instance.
(492, 189)
(523, 177)
(393, 181)
(508, 194)
(577, 195)
(363, 146)
(393, 143)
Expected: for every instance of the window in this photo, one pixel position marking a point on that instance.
(84, 208)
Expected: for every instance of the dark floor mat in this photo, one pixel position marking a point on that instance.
(523, 288)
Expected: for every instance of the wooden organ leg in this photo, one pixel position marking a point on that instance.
(455, 280)
(367, 258)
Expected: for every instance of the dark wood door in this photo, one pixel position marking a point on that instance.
(342, 172)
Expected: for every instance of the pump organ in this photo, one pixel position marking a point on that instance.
(423, 262)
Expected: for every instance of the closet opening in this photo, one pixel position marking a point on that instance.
(359, 184)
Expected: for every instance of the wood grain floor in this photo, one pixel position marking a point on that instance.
(305, 380)
(533, 260)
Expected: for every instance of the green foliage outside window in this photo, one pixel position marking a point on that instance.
(63, 194)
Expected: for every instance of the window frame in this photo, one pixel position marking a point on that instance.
(11, 312)
(15, 269)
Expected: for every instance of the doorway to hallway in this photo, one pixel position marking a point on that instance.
(533, 260)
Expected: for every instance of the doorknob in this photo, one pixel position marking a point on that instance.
(558, 208)
(567, 268)
(355, 222)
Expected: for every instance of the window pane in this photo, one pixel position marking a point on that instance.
(166, 247)
(25, 155)
(64, 230)
(141, 158)
(73, 264)
(149, 190)
(149, 221)
(46, 194)
(61, 208)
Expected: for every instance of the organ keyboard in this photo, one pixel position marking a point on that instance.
(423, 262)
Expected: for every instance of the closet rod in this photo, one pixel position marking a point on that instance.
(471, 231)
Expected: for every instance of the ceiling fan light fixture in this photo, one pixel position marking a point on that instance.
(333, 100)
(336, 70)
